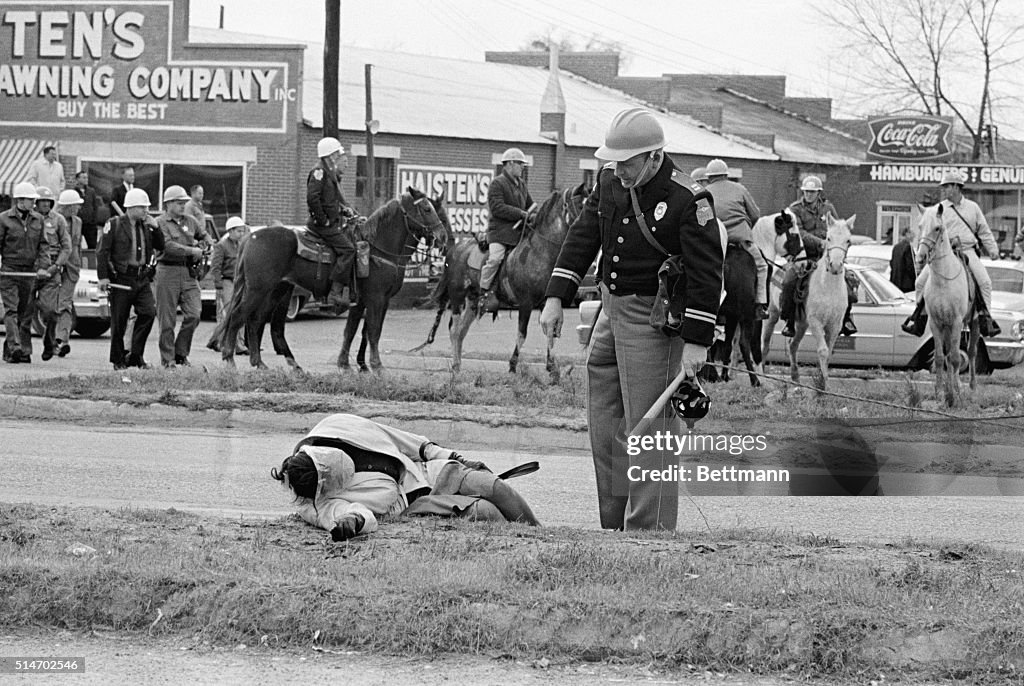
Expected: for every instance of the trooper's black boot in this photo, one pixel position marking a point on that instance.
(760, 312)
(489, 301)
(338, 297)
(988, 326)
(788, 330)
(916, 323)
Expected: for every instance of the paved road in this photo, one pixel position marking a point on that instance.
(226, 471)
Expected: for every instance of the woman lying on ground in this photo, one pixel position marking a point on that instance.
(348, 471)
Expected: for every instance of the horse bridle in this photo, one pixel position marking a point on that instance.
(569, 211)
(427, 229)
(930, 243)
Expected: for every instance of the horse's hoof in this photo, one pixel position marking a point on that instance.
(261, 365)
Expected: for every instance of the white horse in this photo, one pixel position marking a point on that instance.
(948, 302)
(774, 248)
(826, 298)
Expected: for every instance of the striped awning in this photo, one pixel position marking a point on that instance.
(16, 156)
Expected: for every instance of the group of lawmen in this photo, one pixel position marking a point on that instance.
(41, 237)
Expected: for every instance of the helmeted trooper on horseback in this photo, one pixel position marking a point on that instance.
(329, 214)
(810, 214)
(965, 225)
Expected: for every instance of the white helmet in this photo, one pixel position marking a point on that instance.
(513, 155)
(233, 223)
(44, 193)
(328, 145)
(137, 197)
(632, 131)
(699, 174)
(70, 197)
(172, 193)
(25, 189)
(717, 167)
(811, 183)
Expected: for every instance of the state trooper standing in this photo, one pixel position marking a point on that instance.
(126, 248)
(68, 205)
(328, 213)
(23, 250)
(629, 363)
(185, 244)
(58, 240)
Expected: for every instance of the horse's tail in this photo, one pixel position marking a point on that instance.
(220, 332)
(439, 297)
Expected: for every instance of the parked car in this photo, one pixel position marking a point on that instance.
(588, 286)
(880, 341)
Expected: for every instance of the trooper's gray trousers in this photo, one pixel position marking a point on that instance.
(629, 364)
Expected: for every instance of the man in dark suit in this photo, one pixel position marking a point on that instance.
(117, 207)
(901, 264)
(92, 211)
(511, 208)
(126, 248)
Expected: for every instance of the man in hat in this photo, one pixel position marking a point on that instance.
(700, 175)
(126, 248)
(177, 285)
(642, 209)
(964, 222)
(736, 209)
(511, 209)
(59, 333)
(24, 257)
(58, 240)
(222, 271)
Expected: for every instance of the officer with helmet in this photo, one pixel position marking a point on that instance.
(186, 243)
(510, 209)
(56, 336)
(58, 238)
(700, 175)
(328, 213)
(641, 208)
(737, 210)
(811, 211)
(23, 249)
(126, 250)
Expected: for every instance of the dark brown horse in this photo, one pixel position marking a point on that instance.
(269, 268)
(520, 283)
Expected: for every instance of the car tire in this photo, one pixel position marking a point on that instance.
(295, 306)
(90, 328)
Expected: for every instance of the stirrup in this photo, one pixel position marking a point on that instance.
(788, 331)
(849, 328)
(988, 326)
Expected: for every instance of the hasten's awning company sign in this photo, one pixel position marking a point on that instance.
(464, 192)
(121, 65)
(911, 139)
(978, 175)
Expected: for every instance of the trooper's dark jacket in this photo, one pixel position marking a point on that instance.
(327, 206)
(680, 215)
(114, 248)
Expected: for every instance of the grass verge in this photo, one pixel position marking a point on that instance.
(745, 602)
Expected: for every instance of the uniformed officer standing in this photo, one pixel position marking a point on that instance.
(58, 240)
(126, 247)
(68, 205)
(23, 248)
(629, 363)
(185, 243)
(510, 209)
(737, 210)
(328, 213)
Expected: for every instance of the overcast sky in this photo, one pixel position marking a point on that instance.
(782, 37)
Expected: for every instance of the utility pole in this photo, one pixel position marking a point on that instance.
(332, 47)
(371, 168)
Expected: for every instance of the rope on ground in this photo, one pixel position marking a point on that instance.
(873, 401)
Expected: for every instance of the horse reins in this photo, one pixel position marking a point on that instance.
(930, 244)
(427, 229)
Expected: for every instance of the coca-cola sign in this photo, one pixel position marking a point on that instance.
(911, 139)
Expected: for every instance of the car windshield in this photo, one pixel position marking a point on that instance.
(875, 263)
(883, 289)
(1009, 280)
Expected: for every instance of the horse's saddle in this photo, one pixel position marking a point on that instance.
(313, 248)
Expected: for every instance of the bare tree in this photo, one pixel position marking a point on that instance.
(937, 57)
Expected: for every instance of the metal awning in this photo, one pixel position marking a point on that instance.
(16, 156)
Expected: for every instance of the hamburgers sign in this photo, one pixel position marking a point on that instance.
(911, 139)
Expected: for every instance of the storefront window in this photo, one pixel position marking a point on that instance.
(223, 185)
(893, 219)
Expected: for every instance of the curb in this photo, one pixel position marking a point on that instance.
(486, 431)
